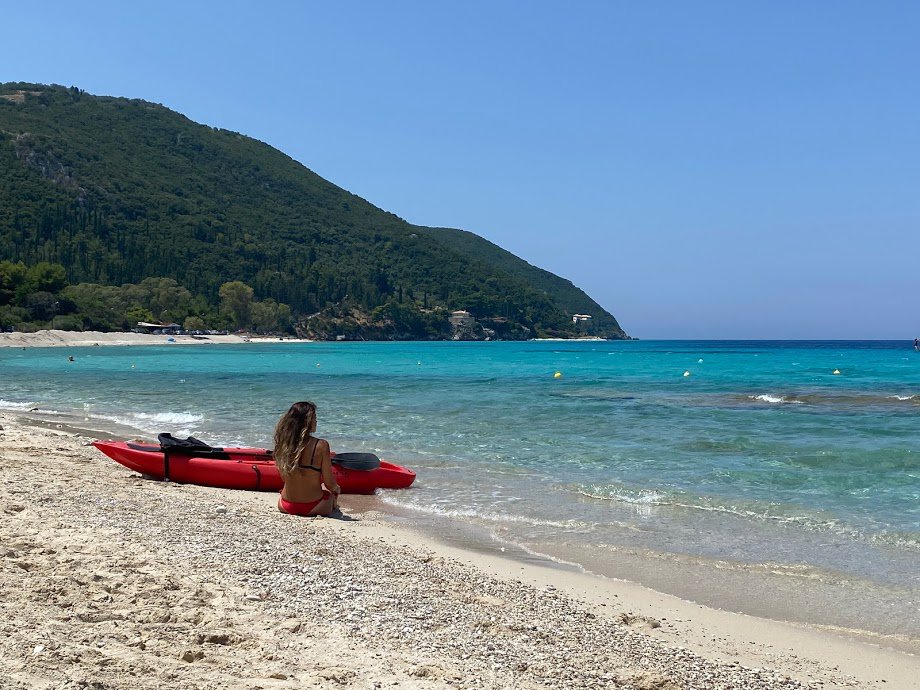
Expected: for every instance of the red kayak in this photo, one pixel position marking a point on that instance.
(243, 468)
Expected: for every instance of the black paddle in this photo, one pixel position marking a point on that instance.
(357, 461)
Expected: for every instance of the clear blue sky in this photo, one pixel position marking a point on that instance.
(702, 169)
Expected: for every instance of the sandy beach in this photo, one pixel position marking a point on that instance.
(57, 338)
(108, 580)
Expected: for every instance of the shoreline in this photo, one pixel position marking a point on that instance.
(811, 595)
(58, 338)
(143, 513)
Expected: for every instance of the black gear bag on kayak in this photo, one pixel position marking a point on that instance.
(170, 442)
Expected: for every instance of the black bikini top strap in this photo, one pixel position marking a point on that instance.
(311, 466)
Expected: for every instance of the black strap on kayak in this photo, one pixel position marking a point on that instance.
(258, 477)
(165, 464)
(214, 453)
(144, 446)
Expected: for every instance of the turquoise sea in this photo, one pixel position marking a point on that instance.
(649, 460)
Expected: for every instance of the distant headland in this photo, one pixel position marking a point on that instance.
(115, 211)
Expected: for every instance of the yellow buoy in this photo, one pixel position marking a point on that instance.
(836, 371)
(557, 375)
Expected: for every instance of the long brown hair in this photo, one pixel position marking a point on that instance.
(292, 433)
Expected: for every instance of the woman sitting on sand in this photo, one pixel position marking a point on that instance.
(303, 461)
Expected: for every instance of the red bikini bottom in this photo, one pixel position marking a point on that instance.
(292, 508)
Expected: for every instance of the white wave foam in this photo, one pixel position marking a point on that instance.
(182, 423)
(169, 417)
(775, 399)
(899, 540)
(639, 497)
(33, 407)
(902, 398)
(10, 405)
(479, 515)
(653, 498)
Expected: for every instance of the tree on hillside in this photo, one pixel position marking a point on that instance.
(136, 314)
(167, 299)
(102, 307)
(236, 303)
(45, 277)
(270, 317)
(194, 323)
(12, 275)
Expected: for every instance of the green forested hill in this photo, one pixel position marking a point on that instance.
(571, 299)
(118, 191)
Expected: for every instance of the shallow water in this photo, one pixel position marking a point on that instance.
(760, 455)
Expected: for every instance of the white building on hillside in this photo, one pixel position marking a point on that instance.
(461, 318)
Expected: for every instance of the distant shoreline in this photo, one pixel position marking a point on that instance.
(57, 338)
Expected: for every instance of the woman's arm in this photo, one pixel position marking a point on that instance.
(322, 449)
